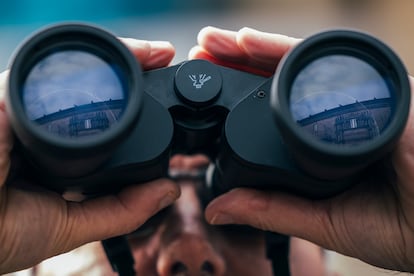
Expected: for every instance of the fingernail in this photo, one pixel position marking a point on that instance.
(208, 29)
(161, 54)
(251, 31)
(221, 218)
(194, 51)
(160, 44)
(216, 37)
(168, 199)
(135, 43)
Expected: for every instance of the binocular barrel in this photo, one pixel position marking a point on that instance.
(88, 119)
(343, 99)
(74, 94)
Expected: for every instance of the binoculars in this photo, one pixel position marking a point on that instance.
(89, 120)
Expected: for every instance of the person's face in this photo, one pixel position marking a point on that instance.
(179, 242)
(182, 243)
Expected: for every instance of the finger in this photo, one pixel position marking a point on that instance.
(151, 54)
(221, 44)
(114, 215)
(266, 48)
(140, 48)
(247, 47)
(161, 54)
(276, 212)
(197, 52)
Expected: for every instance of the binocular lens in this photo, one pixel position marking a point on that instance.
(342, 100)
(74, 93)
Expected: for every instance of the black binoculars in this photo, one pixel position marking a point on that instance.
(89, 120)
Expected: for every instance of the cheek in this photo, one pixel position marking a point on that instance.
(245, 257)
(145, 255)
(145, 264)
(248, 264)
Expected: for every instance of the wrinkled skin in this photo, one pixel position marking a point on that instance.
(180, 240)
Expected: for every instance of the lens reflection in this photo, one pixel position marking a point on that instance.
(341, 100)
(74, 94)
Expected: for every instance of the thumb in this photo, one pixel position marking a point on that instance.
(277, 212)
(114, 215)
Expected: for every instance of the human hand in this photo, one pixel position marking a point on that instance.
(373, 221)
(35, 225)
(248, 50)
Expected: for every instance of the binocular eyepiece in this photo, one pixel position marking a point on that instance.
(89, 120)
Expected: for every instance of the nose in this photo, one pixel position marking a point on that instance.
(190, 255)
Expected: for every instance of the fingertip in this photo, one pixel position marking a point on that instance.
(198, 52)
(165, 46)
(247, 31)
(264, 46)
(206, 33)
(171, 194)
(252, 35)
(158, 191)
(139, 48)
(248, 39)
(219, 209)
(161, 55)
(195, 52)
(150, 54)
(219, 43)
(203, 33)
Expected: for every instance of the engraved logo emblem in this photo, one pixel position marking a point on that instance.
(198, 81)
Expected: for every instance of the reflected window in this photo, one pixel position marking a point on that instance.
(353, 123)
(88, 124)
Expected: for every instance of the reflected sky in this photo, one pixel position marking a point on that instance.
(68, 78)
(335, 80)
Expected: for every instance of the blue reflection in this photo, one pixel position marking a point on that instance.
(335, 80)
(341, 99)
(66, 79)
(73, 93)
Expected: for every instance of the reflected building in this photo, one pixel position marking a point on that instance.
(83, 120)
(350, 124)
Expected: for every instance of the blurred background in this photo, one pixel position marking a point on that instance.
(179, 21)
